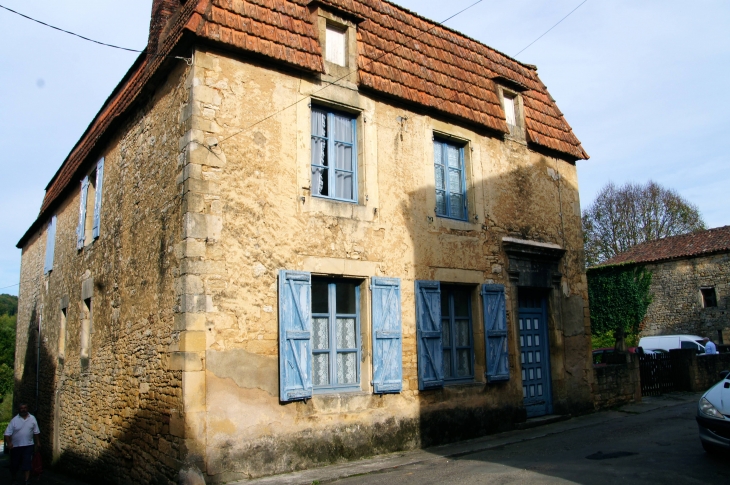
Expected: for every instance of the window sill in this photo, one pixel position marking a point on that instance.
(333, 391)
(338, 208)
(458, 224)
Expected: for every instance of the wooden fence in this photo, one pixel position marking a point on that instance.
(659, 375)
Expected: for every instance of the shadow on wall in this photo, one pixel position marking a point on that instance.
(95, 452)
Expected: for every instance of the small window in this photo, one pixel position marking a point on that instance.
(709, 298)
(62, 334)
(336, 45)
(50, 245)
(90, 206)
(509, 111)
(86, 316)
(335, 334)
(456, 328)
(334, 155)
(450, 180)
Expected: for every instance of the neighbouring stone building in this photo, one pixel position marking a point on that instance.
(300, 232)
(690, 283)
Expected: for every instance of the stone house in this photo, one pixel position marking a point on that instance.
(299, 232)
(690, 283)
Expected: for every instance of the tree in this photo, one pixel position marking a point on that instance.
(619, 296)
(622, 217)
(8, 304)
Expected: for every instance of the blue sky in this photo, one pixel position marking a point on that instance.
(641, 83)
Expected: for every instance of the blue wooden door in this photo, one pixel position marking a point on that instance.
(534, 353)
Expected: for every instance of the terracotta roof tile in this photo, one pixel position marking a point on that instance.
(399, 54)
(687, 245)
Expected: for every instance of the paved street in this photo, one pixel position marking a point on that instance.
(652, 442)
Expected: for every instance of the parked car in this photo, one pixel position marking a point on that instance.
(669, 342)
(713, 416)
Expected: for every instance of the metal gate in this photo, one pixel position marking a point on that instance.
(658, 375)
(534, 353)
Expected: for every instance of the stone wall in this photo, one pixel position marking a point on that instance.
(617, 384)
(677, 307)
(698, 372)
(113, 414)
(258, 187)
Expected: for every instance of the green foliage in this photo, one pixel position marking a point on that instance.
(7, 340)
(608, 340)
(619, 296)
(8, 304)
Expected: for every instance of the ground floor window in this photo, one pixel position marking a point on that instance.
(335, 334)
(456, 327)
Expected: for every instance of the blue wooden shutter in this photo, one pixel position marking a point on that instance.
(82, 213)
(387, 336)
(428, 334)
(495, 332)
(295, 335)
(50, 245)
(97, 198)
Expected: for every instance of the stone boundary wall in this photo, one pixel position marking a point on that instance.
(616, 384)
(700, 372)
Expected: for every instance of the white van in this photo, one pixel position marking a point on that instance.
(669, 342)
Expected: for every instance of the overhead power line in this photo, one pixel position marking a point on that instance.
(551, 28)
(11, 286)
(69, 32)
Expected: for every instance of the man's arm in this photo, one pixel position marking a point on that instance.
(37, 440)
(8, 441)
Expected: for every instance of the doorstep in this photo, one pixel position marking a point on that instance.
(543, 420)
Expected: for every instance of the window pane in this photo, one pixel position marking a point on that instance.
(343, 187)
(447, 363)
(461, 303)
(509, 110)
(463, 363)
(320, 181)
(455, 181)
(346, 298)
(440, 203)
(347, 368)
(440, 177)
(343, 156)
(320, 336)
(319, 123)
(342, 129)
(446, 332)
(335, 42)
(438, 153)
(462, 333)
(346, 333)
(319, 296)
(457, 206)
(320, 369)
(452, 154)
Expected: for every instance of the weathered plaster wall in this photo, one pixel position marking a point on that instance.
(677, 307)
(116, 414)
(258, 191)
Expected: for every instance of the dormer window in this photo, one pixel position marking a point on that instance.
(336, 45)
(509, 111)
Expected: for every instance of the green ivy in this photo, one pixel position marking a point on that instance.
(619, 296)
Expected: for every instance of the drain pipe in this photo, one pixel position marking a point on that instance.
(38, 363)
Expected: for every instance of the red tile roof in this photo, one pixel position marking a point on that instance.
(400, 54)
(684, 246)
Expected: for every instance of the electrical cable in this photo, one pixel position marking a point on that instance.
(551, 28)
(11, 286)
(330, 83)
(187, 60)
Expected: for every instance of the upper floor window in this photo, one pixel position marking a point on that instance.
(709, 297)
(511, 105)
(336, 45)
(50, 244)
(509, 111)
(90, 206)
(334, 159)
(450, 180)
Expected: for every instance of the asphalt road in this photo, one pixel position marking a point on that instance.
(656, 447)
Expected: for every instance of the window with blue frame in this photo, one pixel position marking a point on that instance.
(335, 334)
(450, 180)
(456, 328)
(334, 155)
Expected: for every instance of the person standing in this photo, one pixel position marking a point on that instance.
(21, 438)
(710, 347)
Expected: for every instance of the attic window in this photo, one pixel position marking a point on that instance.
(709, 298)
(509, 111)
(336, 45)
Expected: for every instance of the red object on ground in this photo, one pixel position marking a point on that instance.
(37, 465)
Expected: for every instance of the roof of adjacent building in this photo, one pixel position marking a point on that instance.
(400, 54)
(700, 243)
